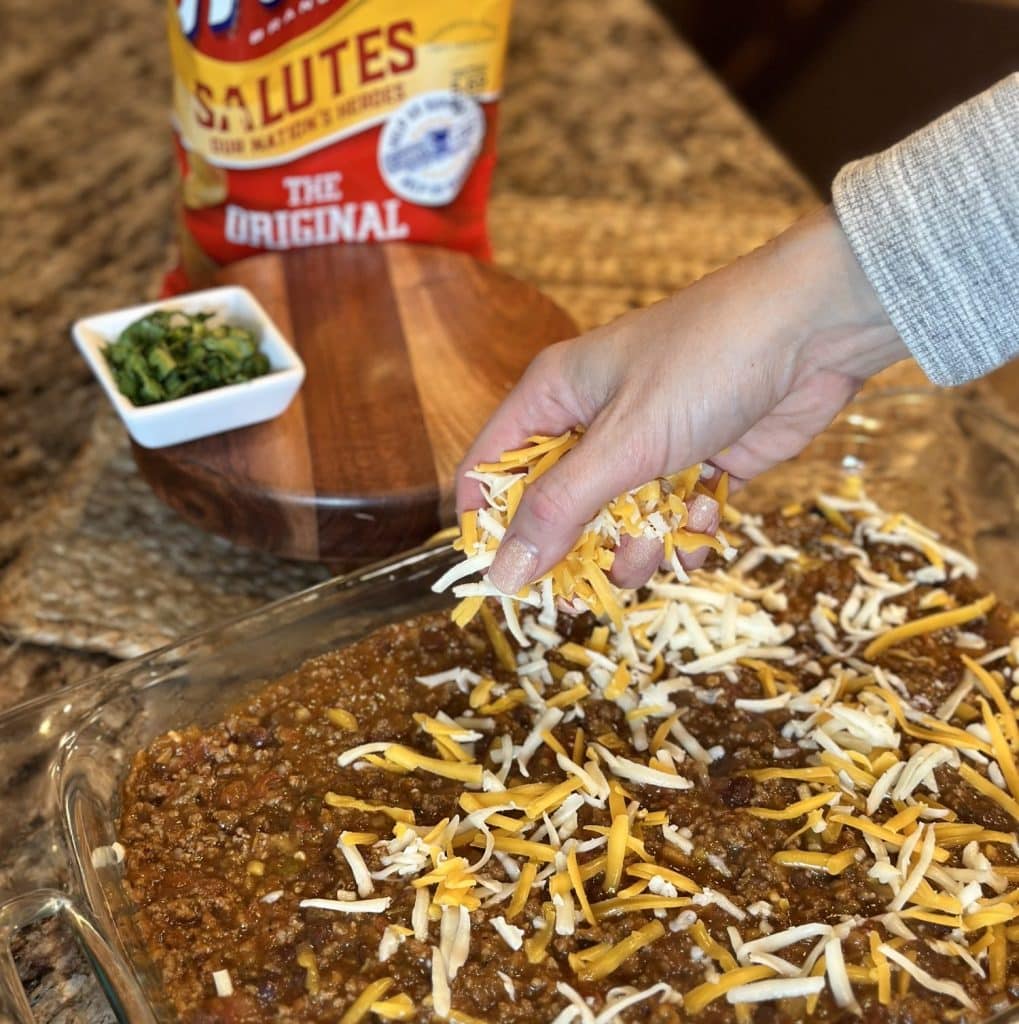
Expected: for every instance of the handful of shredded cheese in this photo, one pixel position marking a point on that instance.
(657, 509)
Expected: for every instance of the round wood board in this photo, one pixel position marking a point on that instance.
(408, 350)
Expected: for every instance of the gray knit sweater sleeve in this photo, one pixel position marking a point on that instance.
(934, 223)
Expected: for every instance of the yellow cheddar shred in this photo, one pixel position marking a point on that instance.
(990, 684)
(884, 974)
(341, 718)
(609, 960)
(306, 959)
(497, 638)
(579, 959)
(481, 693)
(362, 1005)
(525, 848)
(817, 971)
(649, 871)
(872, 828)
(386, 766)
(579, 746)
(832, 863)
(553, 798)
(904, 818)
(818, 773)
(522, 890)
(466, 610)
(405, 757)
(549, 738)
(573, 867)
(507, 702)
(939, 732)
(990, 790)
(396, 813)
(928, 624)
(995, 914)
(618, 683)
(698, 998)
(400, 1007)
(700, 934)
(615, 851)
(536, 944)
(1002, 754)
(794, 810)
(468, 538)
(636, 904)
(358, 838)
(997, 958)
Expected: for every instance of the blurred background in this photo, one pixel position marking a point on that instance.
(830, 80)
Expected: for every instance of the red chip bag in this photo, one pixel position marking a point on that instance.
(332, 122)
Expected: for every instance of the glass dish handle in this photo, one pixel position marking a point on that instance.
(119, 984)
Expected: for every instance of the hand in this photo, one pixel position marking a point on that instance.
(741, 370)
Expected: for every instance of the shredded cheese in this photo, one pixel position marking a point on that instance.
(831, 863)
(862, 786)
(608, 960)
(658, 509)
(948, 988)
(363, 1004)
(928, 624)
(396, 813)
(373, 906)
(221, 980)
(400, 1007)
(703, 995)
(774, 989)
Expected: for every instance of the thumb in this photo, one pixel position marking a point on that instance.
(557, 506)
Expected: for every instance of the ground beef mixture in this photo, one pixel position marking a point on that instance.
(227, 829)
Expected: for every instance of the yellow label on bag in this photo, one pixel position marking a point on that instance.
(242, 101)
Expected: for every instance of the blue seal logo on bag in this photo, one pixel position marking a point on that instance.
(428, 146)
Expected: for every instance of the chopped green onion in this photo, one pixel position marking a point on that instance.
(169, 354)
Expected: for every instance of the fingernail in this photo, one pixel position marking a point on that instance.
(635, 562)
(703, 514)
(691, 560)
(514, 565)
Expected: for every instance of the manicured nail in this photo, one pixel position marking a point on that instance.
(704, 518)
(703, 514)
(514, 565)
(635, 562)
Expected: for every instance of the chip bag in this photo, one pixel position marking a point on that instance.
(332, 122)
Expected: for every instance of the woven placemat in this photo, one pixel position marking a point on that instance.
(599, 257)
(116, 571)
(112, 570)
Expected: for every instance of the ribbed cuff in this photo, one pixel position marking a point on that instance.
(934, 224)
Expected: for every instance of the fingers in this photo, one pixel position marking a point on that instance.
(789, 426)
(609, 459)
(704, 517)
(636, 560)
(538, 404)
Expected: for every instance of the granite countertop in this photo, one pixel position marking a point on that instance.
(599, 104)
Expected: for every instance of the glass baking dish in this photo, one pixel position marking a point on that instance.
(946, 460)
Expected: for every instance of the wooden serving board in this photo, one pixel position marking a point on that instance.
(408, 351)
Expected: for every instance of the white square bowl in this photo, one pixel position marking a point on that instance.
(208, 412)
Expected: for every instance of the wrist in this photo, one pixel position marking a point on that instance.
(845, 327)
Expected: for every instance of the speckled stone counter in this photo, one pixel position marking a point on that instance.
(601, 103)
